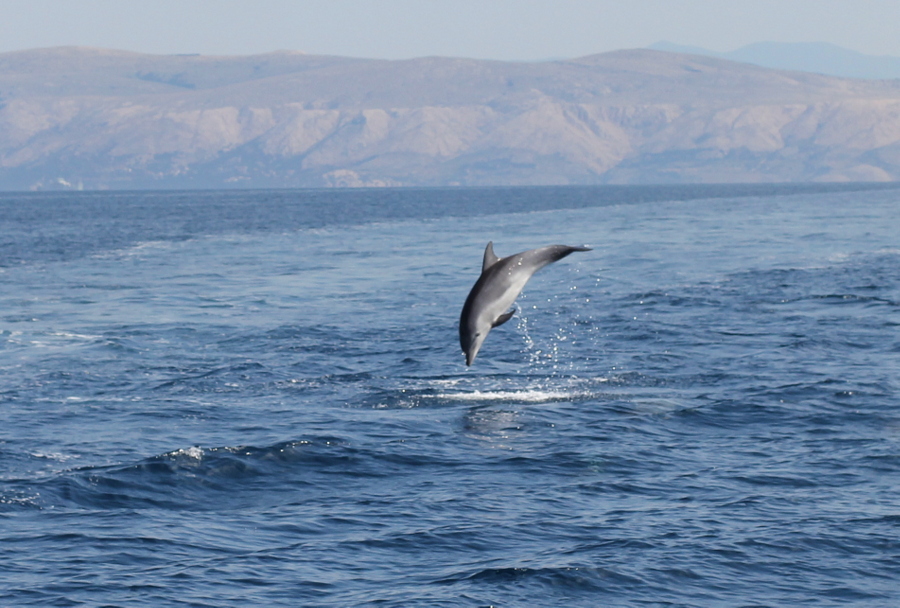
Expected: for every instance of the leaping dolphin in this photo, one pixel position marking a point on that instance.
(500, 283)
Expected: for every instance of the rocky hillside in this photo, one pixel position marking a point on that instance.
(77, 117)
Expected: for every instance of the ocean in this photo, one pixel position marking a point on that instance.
(258, 398)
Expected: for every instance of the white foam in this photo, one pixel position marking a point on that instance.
(52, 456)
(136, 249)
(31, 500)
(193, 452)
(71, 335)
(524, 396)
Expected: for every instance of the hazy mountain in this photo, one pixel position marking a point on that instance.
(73, 117)
(817, 57)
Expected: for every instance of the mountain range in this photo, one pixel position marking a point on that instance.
(816, 57)
(91, 118)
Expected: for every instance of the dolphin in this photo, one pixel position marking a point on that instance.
(500, 283)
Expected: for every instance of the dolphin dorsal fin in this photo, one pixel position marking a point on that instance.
(489, 258)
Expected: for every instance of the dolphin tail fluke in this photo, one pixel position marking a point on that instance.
(561, 251)
(542, 256)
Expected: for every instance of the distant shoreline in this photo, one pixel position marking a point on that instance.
(76, 118)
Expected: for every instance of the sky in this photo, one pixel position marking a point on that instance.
(511, 30)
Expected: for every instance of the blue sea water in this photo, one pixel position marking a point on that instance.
(258, 399)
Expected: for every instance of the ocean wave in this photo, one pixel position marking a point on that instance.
(573, 578)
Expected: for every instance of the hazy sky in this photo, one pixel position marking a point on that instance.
(485, 29)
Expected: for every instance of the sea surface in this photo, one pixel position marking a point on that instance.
(257, 398)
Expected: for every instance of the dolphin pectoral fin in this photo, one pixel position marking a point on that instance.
(489, 257)
(504, 318)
